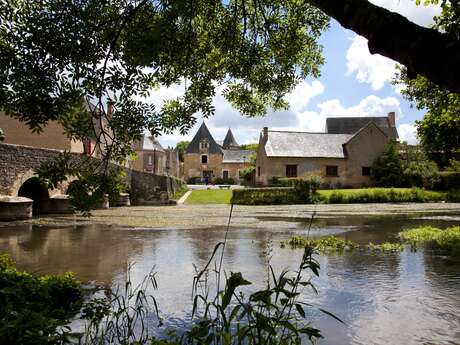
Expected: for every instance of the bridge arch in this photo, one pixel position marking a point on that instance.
(33, 189)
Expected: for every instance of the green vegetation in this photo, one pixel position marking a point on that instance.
(34, 309)
(181, 146)
(324, 244)
(448, 239)
(180, 193)
(210, 196)
(387, 247)
(265, 196)
(380, 195)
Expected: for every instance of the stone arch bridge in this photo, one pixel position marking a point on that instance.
(17, 178)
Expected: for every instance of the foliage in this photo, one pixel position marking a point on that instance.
(265, 196)
(181, 147)
(380, 195)
(304, 187)
(210, 196)
(387, 170)
(419, 171)
(454, 165)
(66, 61)
(194, 180)
(387, 247)
(448, 239)
(179, 193)
(92, 180)
(324, 244)
(252, 147)
(33, 310)
(448, 180)
(247, 174)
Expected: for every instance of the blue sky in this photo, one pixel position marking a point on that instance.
(353, 83)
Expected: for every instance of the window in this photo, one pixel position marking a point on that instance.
(204, 159)
(258, 171)
(332, 170)
(366, 171)
(150, 160)
(204, 144)
(291, 170)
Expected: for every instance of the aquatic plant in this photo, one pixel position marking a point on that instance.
(324, 244)
(387, 247)
(421, 234)
(448, 239)
(35, 310)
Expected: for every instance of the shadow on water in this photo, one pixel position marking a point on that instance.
(397, 298)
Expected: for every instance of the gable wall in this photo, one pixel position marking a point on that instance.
(362, 151)
(193, 166)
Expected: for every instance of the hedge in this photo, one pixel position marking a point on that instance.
(448, 180)
(264, 196)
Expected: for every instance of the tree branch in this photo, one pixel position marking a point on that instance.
(423, 51)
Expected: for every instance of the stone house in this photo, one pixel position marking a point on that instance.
(205, 157)
(342, 155)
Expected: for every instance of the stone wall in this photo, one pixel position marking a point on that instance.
(18, 162)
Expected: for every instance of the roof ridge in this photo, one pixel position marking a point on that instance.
(301, 132)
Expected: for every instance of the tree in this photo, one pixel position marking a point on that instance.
(439, 130)
(387, 170)
(181, 147)
(429, 52)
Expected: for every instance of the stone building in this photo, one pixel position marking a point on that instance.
(205, 157)
(342, 155)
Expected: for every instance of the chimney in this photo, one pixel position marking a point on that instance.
(265, 132)
(392, 119)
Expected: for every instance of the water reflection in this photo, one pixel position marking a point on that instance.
(400, 298)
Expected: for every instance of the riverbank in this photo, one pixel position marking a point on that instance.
(205, 216)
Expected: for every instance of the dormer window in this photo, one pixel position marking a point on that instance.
(204, 145)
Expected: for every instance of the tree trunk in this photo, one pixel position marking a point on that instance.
(423, 51)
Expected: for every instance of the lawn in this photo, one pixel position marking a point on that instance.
(210, 196)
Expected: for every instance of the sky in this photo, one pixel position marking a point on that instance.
(353, 83)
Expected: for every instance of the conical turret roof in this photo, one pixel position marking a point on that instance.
(203, 134)
(229, 140)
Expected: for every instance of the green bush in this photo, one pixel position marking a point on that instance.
(231, 180)
(33, 309)
(218, 180)
(264, 196)
(246, 175)
(448, 180)
(194, 180)
(382, 195)
(387, 170)
(450, 239)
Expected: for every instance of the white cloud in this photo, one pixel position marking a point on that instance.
(408, 133)
(421, 15)
(369, 106)
(303, 93)
(375, 69)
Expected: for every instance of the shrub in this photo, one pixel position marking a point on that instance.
(246, 175)
(230, 180)
(32, 309)
(374, 195)
(304, 187)
(448, 180)
(387, 170)
(219, 180)
(264, 196)
(194, 180)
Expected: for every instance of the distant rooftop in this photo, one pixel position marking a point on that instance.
(305, 144)
(237, 156)
(351, 125)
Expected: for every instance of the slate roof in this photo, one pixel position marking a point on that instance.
(229, 140)
(237, 156)
(203, 133)
(351, 125)
(150, 144)
(304, 144)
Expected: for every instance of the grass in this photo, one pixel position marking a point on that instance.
(359, 195)
(324, 244)
(210, 196)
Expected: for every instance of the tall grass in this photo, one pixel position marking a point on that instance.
(273, 315)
